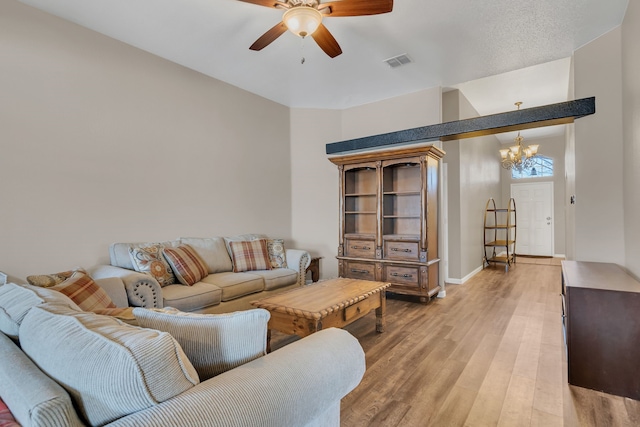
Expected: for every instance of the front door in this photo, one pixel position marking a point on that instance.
(534, 208)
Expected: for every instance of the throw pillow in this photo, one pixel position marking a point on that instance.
(82, 290)
(250, 255)
(214, 343)
(149, 260)
(277, 254)
(109, 368)
(186, 264)
(49, 280)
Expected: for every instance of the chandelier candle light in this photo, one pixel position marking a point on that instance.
(517, 156)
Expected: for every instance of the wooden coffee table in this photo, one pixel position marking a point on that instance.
(330, 303)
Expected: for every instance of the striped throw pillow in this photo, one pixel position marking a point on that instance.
(186, 264)
(250, 255)
(82, 290)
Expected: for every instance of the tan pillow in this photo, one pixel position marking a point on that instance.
(149, 260)
(250, 255)
(214, 343)
(48, 280)
(186, 264)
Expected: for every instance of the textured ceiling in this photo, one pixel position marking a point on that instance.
(450, 42)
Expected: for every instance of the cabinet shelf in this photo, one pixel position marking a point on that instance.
(360, 213)
(500, 243)
(401, 193)
(360, 195)
(403, 216)
(499, 227)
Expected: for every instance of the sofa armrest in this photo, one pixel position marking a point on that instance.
(142, 289)
(297, 385)
(33, 398)
(298, 260)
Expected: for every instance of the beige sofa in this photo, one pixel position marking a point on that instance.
(61, 366)
(221, 291)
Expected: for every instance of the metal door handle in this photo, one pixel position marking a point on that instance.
(366, 248)
(548, 218)
(353, 270)
(401, 275)
(400, 250)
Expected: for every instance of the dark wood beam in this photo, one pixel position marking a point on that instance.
(547, 115)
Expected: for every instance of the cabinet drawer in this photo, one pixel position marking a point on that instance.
(401, 250)
(403, 275)
(361, 308)
(360, 249)
(360, 270)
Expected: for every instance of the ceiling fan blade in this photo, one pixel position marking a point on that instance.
(326, 41)
(267, 3)
(267, 38)
(356, 7)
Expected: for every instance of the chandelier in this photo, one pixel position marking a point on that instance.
(517, 156)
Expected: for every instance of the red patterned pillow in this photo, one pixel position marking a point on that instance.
(6, 417)
(82, 290)
(250, 255)
(149, 260)
(186, 264)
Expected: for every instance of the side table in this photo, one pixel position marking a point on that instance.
(314, 268)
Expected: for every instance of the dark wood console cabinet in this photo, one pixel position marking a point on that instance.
(601, 312)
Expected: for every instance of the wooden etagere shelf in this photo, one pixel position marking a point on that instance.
(499, 234)
(388, 218)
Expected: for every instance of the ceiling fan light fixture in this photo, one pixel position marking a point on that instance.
(302, 20)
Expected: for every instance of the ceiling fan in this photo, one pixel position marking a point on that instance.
(304, 18)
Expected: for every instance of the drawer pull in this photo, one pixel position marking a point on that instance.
(401, 275)
(366, 248)
(353, 270)
(400, 250)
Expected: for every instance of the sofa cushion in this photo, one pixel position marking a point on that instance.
(81, 288)
(114, 287)
(235, 285)
(189, 298)
(214, 343)
(6, 417)
(186, 264)
(250, 255)
(17, 300)
(213, 252)
(149, 260)
(277, 254)
(119, 252)
(277, 278)
(110, 369)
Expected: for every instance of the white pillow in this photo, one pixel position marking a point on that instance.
(214, 343)
(110, 369)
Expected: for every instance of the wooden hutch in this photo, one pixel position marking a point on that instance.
(389, 218)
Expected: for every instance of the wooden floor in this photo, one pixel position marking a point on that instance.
(489, 354)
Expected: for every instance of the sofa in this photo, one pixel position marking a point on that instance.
(62, 366)
(223, 287)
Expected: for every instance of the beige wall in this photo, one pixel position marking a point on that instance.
(315, 203)
(102, 142)
(631, 106)
(473, 177)
(599, 216)
(553, 147)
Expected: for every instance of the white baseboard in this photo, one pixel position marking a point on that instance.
(465, 278)
(441, 294)
(559, 256)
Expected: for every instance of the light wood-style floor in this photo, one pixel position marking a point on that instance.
(489, 354)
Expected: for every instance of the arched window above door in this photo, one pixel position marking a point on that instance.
(541, 166)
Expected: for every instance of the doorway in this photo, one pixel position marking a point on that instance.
(534, 207)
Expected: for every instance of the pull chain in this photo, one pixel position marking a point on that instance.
(302, 60)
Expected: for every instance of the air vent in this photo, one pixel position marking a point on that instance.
(399, 60)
